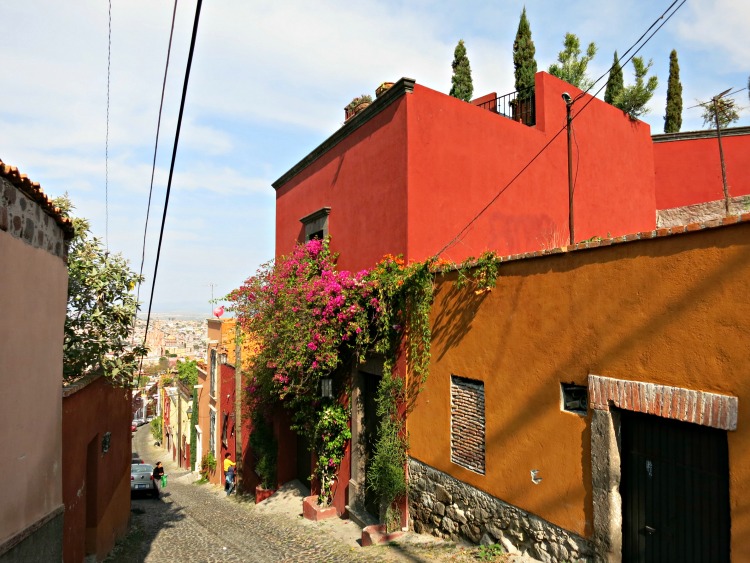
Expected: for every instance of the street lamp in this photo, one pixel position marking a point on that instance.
(326, 387)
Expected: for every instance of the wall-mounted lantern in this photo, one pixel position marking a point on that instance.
(106, 441)
(223, 357)
(326, 387)
(189, 411)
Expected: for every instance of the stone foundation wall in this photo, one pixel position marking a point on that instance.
(448, 508)
(701, 212)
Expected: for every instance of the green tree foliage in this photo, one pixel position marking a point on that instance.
(633, 99)
(462, 87)
(156, 428)
(727, 110)
(524, 62)
(615, 82)
(673, 117)
(187, 373)
(101, 308)
(571, 66)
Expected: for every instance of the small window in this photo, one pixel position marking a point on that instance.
(575, 398)
(316, 224)
(212, 388)
(468, 424)
(212, 432)
(224, 427)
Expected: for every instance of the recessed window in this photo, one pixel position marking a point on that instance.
(316, 224)
(575, 398)
(468, 424)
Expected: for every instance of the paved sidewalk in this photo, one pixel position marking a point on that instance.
(199, 523)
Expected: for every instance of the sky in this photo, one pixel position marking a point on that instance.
(269, 82)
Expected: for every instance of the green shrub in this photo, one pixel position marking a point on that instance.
(264, 447)
(156, 428)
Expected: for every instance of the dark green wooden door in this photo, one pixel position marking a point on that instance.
(675, 491)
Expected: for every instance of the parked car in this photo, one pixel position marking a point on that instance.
(139, 421)
(142, 479)
(133, 427)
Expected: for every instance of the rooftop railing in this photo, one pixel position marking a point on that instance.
(513, 106)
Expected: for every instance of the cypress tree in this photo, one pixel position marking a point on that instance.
(673, 118)
(523, 58)
(462, 85)
(615, 82)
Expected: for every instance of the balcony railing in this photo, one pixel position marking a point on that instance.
(513, 106)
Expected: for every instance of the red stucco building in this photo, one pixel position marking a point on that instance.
(419, 173)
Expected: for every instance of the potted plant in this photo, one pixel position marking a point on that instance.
(264, 448)
(332, 435)
(382, 89)
(356, 105)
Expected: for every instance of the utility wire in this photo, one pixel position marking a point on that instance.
(153, 164)
(563, 128)
(106, 142)
(171, 166)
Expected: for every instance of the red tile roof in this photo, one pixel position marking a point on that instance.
(35, 192)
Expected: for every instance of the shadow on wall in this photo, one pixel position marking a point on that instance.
(453, 321)
(600, 347)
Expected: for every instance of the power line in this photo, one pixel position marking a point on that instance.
(556, 135)
(174, 156)
(106, 142)
(156, 146)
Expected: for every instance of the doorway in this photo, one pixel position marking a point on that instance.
(674, 489)
(370, 427)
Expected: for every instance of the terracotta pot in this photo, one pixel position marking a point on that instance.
(311, 510)
(355, 110)
(383, 88)
(376, 534)
(262, 494)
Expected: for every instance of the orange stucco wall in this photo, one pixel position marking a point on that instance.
(689, 171)
(671, 310)
(33, 294)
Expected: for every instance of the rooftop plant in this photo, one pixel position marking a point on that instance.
(359, 100)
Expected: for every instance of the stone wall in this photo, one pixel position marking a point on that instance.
(701, 212)
(445, 507)
(24, 219)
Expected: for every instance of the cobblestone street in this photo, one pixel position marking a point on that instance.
(198, 523)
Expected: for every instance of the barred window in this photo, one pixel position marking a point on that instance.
(468, 424)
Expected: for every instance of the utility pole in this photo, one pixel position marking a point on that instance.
(237, 403)
(569, 120)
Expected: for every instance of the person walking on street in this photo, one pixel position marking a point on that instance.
(229, 469)
(157, 477)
